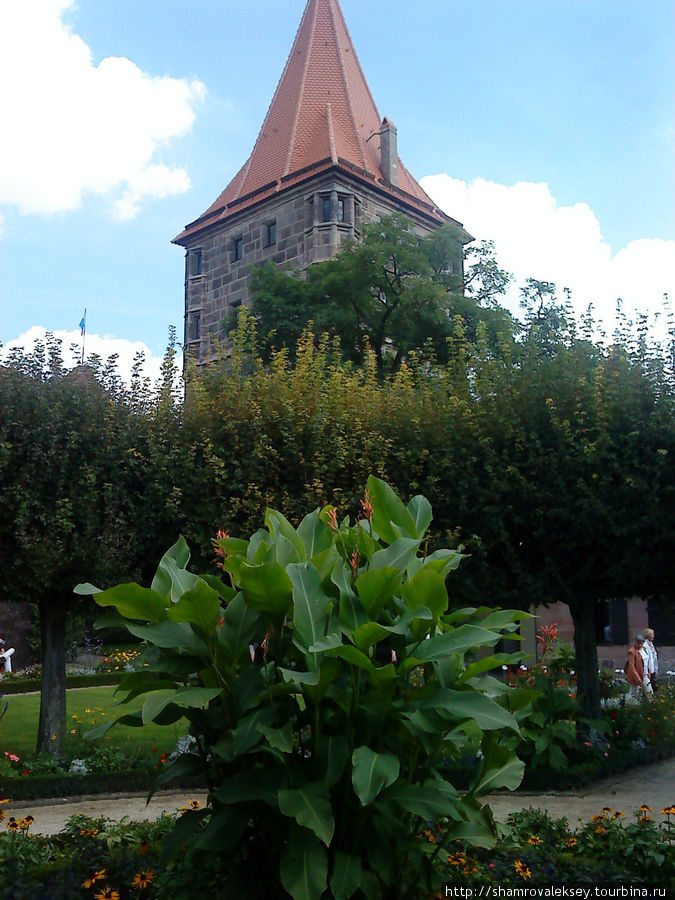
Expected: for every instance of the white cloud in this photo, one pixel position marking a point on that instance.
(73, 126)
(534, 237)
(94, 344)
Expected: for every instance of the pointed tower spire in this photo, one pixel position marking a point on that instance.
(322, 115)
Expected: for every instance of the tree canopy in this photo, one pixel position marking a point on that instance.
(392, 293)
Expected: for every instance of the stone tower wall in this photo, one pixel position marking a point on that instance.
(308, 224)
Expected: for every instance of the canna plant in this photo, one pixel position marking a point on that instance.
(325, 684)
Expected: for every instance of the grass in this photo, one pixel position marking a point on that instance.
(18, 727)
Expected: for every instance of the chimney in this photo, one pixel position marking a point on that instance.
(389, 152)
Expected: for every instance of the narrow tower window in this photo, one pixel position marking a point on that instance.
(238, 247)
(194, 263)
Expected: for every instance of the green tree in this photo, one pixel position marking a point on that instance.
(78, 470)
(394, 293)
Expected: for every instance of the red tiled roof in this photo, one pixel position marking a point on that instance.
(322, 115)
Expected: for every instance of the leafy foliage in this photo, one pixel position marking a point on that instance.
(324, 684)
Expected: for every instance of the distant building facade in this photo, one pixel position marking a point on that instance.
(325, 163)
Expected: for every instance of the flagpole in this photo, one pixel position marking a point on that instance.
(84, 333)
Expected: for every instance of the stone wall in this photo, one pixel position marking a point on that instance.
(293, 229)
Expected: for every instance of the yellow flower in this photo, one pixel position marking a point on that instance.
(668, 810)
(107, 893)
(600, 830)
(522, 870)
(571, 842)
(12, 825)
(143, 879)
(4, 800)
(617, 814)
(645, 808)
(535, 841)
(91, 881)
(195, 804)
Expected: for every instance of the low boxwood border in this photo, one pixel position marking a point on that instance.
(582, 774)
(24, 685)
(38, 787)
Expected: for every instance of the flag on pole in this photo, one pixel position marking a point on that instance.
(83, 323)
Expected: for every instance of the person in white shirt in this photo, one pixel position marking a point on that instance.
(652, 664)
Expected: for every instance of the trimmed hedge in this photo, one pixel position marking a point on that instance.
(582, 774)
(24, 685)
(37, 787)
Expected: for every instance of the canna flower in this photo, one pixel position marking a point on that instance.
(367, 505)
(332, 519)
(354, 562)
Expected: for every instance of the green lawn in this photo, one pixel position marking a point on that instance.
(18, 727)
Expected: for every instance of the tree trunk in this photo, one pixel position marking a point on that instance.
(588, 682)
(52, 727)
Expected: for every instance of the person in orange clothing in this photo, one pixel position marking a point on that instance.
(634, 670)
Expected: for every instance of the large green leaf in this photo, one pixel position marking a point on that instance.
(224, 591)
(334, 752)
(430, 800)
(372, 772)
(388, 508)
(256, 784)
(179, 555)
(314, 534)
(501, 769)
(376, 588)
(311, 606)
(487, 714)
(245, 736)
(200, 606)
(304, 866)
(278, 524)
(310, 806)
(420, 510)
(279, 738)
(185, 698)
(427, 588)
(368, 634)
(396, 555)
(487, 664)
(346, 878)
(172, 636)
(134, 602)
(457, 640)
(237, 630)
(180, 579)
(267, 588)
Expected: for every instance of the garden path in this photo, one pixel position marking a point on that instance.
(653, 785)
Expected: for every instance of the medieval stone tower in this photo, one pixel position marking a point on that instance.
(325, 163)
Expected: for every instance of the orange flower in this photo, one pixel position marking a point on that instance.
(143, 879)
(367, 505)
(107, 893)
(91, 881)
(354, 562)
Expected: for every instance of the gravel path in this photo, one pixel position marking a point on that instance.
(653, 785)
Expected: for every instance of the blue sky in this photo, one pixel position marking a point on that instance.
(546, 125)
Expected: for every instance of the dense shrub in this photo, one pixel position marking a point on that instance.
(325, 686)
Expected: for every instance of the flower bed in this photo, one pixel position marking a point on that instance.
(96, 859)
(19, 685)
